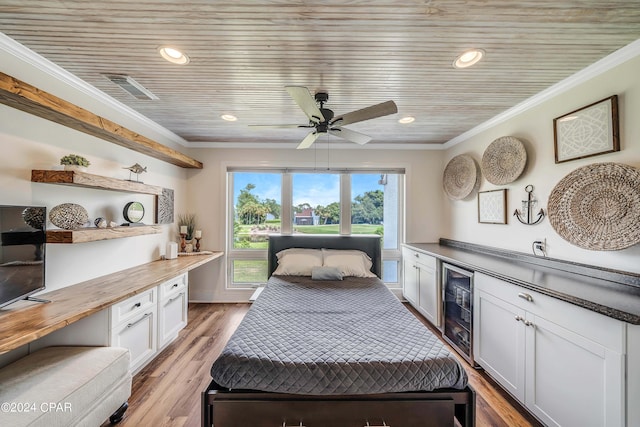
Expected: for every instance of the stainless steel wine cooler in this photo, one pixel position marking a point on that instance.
(457, 300)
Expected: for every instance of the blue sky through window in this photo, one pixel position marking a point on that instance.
(315, 189)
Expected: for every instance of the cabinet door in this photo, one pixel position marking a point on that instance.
(571, 380)
(172, 317)
(410, 281)
(139, 336)
(428, 294)
(499, 341)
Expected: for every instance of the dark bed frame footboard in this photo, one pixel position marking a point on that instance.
(224, 408)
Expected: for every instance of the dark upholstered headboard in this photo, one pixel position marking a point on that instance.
(370, 244)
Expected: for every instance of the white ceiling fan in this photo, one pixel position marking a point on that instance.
(322, 120)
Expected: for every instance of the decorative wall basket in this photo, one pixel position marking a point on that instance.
(597, 207)
(460, 177)
(504, 160)
(68, 216)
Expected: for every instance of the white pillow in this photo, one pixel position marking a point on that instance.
(298, 261)
(350, 262)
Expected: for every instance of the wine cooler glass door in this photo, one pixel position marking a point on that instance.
(458, 309)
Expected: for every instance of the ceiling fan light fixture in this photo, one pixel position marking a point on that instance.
(173, 55)
(468, 58)
(228, 117)
(406, 120)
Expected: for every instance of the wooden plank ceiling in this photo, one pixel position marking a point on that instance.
(363, 52)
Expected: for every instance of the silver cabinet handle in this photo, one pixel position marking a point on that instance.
(525, 296)
(176, 297)
(519, 318)
(526, 322)
(136, 305)
(383, 425)
(284, 424)
(139, 320)
(416, 255)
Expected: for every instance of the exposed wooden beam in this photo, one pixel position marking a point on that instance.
(23, 96)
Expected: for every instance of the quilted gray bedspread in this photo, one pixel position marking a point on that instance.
(326, 338)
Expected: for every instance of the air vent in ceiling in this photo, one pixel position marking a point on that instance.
(131, 86)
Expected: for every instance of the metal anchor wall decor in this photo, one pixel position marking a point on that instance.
(527, 209)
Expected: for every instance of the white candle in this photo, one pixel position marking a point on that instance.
(198, 234)
(183, 229)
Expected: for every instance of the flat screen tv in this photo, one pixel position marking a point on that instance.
(22, 251)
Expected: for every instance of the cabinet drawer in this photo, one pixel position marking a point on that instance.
(172, 317)
(138, 334)
(133, 306)
(420, 257)
(601, 329)
(173, 286)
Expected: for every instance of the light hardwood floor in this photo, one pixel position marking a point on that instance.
(167, 391)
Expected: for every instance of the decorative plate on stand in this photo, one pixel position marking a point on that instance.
(503, 161)
(597, 207)
(460, 177)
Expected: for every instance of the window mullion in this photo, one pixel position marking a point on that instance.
(286, 207)
(345, 204)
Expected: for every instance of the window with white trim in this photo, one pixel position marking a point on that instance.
(279, 201)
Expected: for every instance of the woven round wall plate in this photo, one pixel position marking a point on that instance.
(597, 207)
(503, 161)
(460, 177)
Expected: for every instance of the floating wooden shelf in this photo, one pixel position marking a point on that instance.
(83, 179)
(83, 235)
(23, 96)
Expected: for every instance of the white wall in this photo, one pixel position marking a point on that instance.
(535, 128)
(207, 193)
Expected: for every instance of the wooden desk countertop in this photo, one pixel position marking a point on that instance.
(24, 321)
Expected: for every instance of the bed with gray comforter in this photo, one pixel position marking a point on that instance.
(345, 337)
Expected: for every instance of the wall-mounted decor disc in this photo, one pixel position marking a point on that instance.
(503, 161)
(597, 207)
(460, 177)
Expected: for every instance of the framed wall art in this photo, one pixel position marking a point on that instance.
(492, 207)
(588, 131)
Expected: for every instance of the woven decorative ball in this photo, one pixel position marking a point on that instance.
(34, 217)
(504, 160)
(597, 207)
(68, 216)
(460, 177)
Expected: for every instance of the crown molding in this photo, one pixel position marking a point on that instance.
(33, 59)
(607, 63)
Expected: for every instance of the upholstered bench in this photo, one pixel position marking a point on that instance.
(66, 386)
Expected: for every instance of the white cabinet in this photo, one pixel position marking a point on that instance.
(147, 322)
(409, 278)
(134, 325)
(420, 285)
(563, 362)
(172, 309)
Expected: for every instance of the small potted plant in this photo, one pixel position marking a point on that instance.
(186, 226)
(74, 162)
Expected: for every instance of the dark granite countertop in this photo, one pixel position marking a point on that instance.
(613, 294)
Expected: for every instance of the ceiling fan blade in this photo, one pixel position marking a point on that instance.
(308, 140)
(306, 102)
(350, 135)
(280, 126)
(378, 110)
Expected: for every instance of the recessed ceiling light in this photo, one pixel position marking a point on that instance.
(229, 117)
(468, 58)
(173, 55)
(406, 120)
